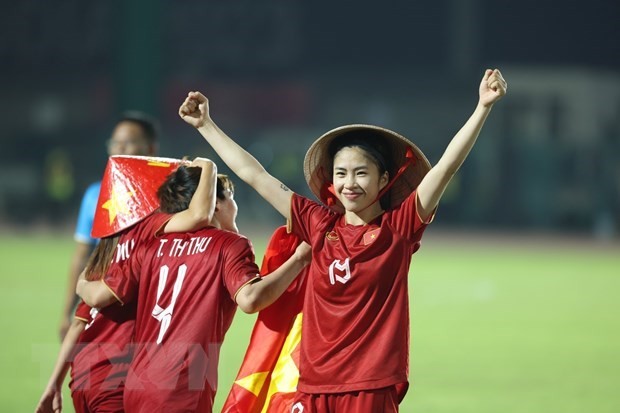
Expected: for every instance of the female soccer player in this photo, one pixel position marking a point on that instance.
(97, 344)
(379, 196)
(187, 286)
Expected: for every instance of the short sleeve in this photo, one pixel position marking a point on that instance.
(406, 219)
(82, 312)
(86, 215)
(307, 217)
(122, 282)
(239, 265)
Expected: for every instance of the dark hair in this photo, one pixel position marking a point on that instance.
(149, 125)
(374, 145)
(101, 257)
(177, 190)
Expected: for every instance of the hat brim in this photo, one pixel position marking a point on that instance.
(318, 164)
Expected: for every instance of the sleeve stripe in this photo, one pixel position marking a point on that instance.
(113, 293)
(253, 280)
(289, 221)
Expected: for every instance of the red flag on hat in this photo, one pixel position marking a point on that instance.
(267, 379)
(129, 191)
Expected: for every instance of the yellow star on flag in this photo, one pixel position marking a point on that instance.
(254, 382)
(285, 374)
(117, 204)
(370, 236)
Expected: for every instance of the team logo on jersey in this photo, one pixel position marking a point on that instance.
(297, 408)
(331, 236)
(339, 272)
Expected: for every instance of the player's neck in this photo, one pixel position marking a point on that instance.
(363, 217)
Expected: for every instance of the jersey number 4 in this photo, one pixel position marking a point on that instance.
(164, 315)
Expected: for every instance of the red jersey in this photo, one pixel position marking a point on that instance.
(355, 331)
(102, 354)
(185, 284)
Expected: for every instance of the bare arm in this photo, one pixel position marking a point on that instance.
(492, 88)
(51, 399)
(94, 293)
(195, 111)
(78, 263)
(201, 208)
(263, 292)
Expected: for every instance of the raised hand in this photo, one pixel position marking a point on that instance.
(200, 162)
(195, 109)
(492, 87)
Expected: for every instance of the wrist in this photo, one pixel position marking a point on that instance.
(207, 126)
(301, 259)
(485, 107)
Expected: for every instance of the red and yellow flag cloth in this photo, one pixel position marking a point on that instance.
(267, 379)
(128, 191)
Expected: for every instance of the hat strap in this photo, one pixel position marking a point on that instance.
(328, 193)
(410, 159)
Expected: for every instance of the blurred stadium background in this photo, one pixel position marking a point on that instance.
(544, 173)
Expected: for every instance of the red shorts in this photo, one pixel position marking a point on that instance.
(383, 400)
(108, 401)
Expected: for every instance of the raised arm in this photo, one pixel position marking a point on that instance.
(492, 88)
(51, 399)
(263, 292)
(201, 208)
(195, 111)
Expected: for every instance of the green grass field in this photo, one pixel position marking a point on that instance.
(497, 326)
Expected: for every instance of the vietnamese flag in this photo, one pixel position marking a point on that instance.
(128, 191)
(267, 379)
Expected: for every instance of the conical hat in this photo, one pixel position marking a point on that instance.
(410, 164)
(129, 191)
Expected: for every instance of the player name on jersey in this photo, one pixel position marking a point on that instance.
(178, 247)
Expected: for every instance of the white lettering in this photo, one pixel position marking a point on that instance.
(180, 247)
(161, 245)
(203, 245)
(93, 315)
(123, 250)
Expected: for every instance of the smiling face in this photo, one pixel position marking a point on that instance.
(357, 183)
